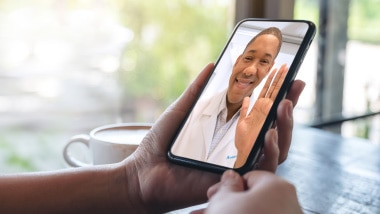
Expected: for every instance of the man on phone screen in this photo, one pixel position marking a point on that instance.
(209, 133)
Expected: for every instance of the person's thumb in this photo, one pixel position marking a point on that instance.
(231, 181)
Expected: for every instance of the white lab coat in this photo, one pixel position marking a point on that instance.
(199, 129)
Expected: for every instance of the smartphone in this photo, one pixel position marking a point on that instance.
(225, 127)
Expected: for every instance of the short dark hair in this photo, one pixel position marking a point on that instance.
(271, 31)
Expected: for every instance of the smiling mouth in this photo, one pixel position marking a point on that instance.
(243, 82)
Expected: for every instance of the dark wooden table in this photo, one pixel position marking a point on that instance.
(333, 174)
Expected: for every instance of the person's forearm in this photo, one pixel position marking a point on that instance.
(85, 190)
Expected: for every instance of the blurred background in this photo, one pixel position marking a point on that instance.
(68, 66)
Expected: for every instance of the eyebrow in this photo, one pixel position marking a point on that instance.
(266, 54)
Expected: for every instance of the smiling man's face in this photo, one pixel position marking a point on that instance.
(251, 67)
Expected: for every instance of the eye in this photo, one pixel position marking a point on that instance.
(248, 59)
(264, 61)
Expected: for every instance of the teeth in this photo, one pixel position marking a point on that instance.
(244, 81)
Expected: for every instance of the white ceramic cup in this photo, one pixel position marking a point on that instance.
(107, 144)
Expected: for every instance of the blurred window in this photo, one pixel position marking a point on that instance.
(67, 67)
(341, 71)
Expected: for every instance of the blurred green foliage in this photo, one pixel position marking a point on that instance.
(363, 22)
(12, 158)
(307, 9)
(173, 41)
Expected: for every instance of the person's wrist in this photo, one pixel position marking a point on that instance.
(122, 189)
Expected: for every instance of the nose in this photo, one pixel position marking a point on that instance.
(250, 69)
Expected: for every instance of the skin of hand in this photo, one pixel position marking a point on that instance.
(145, 182)
(157, 178)
(249, 125)
(255, 192)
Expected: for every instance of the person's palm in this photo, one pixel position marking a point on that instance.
(249, 125)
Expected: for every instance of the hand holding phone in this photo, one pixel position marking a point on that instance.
(221, 131)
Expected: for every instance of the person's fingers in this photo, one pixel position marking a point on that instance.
(267, 84)
(285, 128)
(213, 189)
(253, 177)
(295, 91)
(231, 181)
(277, 82)
(272, 190)
(284, 121)
(275, 152)
(271, 152)
(244, 107)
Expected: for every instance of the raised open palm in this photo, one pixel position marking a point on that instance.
(249, 125)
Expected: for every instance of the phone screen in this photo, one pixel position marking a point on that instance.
(226, 126)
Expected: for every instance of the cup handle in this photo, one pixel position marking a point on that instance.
(72, 161)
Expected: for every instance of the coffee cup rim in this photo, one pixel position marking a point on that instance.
(133, 126)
